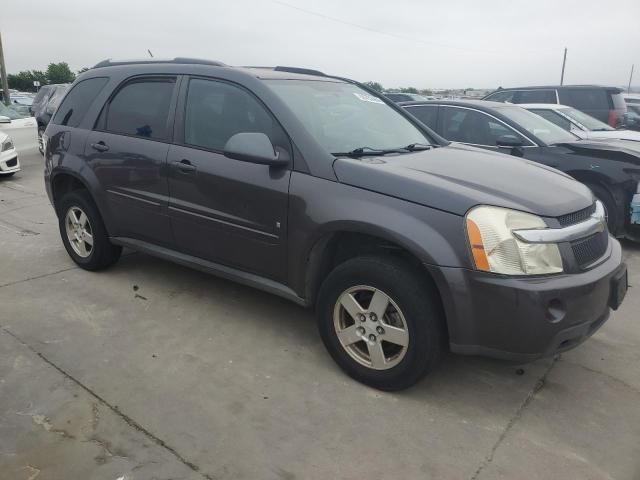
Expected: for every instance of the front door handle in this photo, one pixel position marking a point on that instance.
(100, 146)
(185, 166)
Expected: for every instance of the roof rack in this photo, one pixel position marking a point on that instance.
(303, 71)
(177, 60)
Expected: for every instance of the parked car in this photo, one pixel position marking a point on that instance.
(632, 120)
(319, 190)
(604, 103)
(579, 123)
(45, 106)
(610, 169)
(20, 127)
(405, 97)
(9, 163)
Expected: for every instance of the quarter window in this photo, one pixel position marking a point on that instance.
(215, 111)
(140, 109)
(470, 126)
(77, 102)
(587, 99)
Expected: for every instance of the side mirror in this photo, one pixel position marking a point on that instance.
(508, 141)
(253, 147)
(5, 119)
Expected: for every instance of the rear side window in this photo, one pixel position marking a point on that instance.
(215, 111)
(427, 114)
(42, 94)
(140, 109)
(553, 117)
(586, 99)
(535, 96)
(77, 102)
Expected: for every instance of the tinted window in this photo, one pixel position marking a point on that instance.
(589, 99)
(140, 108)
(501, 96)
(553, 117)
(427, 114)
(56, 97)
(76, 103)
(398, 97)
(471, 126)
(215, 111)
(43, 92)
(535, 96)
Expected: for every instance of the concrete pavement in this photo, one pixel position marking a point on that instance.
(150, 370)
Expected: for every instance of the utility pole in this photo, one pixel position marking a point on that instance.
(3, 74)
(564, 61)
(630, 77)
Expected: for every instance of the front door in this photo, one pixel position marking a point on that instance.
(128, 152)
(224, 210)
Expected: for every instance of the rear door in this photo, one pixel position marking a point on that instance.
(225, 210)
(128, 153)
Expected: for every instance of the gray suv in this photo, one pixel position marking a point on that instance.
(316, 189)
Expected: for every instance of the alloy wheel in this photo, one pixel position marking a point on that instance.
(79, 232)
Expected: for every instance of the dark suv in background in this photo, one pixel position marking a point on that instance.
(319, 190)
(604, 103)
(44, 105)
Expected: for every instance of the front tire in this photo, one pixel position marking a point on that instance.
(381, 321)
(83, 233)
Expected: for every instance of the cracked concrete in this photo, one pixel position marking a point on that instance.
(202, 378)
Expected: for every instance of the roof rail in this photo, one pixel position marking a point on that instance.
(177, 60)
(303, 71)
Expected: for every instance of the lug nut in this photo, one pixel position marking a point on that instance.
(380, 330)
(361, 317)
(372, 337)
(373, 317)
(360, 331)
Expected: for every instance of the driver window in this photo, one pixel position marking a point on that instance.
(473, 127)
(215, 111)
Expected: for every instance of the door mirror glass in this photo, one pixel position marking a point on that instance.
(508, 141)
(254, 147)
(5, 119)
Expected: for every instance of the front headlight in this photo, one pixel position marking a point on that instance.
(495, 249)
(6, 145)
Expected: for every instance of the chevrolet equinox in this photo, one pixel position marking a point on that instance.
(317, 189)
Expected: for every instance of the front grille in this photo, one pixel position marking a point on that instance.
(588, 250)
(13, 162)
(576, 217)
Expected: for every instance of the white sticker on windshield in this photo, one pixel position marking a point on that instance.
(365, 97)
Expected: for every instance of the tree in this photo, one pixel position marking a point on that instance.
(60, 73)
(409, 90)
(374, 86)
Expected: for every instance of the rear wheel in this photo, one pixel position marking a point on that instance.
(611, 212)
(83, 233)
(40, 140)
(381, 322)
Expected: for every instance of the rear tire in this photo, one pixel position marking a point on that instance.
(612, 214)
(83, 233)
(412, 316)
(40, 141)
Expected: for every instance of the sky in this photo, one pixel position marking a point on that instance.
(425, 44)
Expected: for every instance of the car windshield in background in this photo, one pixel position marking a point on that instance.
(342, 117)
(11, 112)
(546, 131)
(586, 120)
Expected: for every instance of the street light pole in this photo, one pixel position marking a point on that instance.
(3, 74)
(630, 77)
(564, 61)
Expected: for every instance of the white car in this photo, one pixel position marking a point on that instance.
(579, 123)
(9, 163)
(21, 128)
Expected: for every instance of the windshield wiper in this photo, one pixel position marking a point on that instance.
(369, 151)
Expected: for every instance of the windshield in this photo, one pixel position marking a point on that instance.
(546, 131)
(10, 112)
(343, 117)
(586, 120)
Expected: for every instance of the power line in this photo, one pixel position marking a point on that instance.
(395, 35)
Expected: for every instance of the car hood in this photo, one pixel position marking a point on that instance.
(457, 177)
(614, 134)
(627, 151)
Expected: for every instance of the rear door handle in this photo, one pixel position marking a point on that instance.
(100, 146)
(184, 166)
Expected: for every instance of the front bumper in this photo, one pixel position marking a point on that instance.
(522, 319)
(9, 162)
